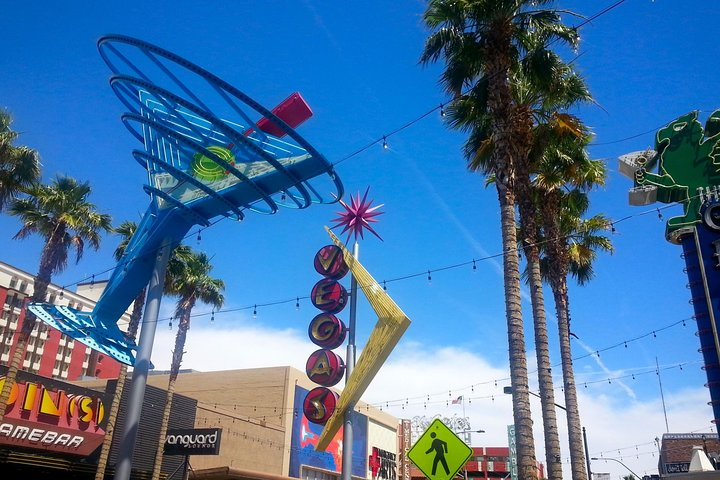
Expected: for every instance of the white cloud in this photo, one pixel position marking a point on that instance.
(415, 371)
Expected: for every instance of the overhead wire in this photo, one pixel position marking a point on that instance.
(370, 144)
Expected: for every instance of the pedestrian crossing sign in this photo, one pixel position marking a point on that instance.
(439, 453)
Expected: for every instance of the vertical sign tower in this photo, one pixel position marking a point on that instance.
(684, 168)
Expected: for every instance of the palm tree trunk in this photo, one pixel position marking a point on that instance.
(180, 338)
(110, 425)
(542, 348)
(11, 375)
(577, 453)
(511, 147)
(558, 262)
(163, 431)
(119, 387)
(527, 465)
(40, 285)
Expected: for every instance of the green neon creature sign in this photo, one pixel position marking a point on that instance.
(688, 170)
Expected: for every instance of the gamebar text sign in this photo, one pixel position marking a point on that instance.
(195, 441)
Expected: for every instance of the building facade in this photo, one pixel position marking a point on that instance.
(53, 429)
(264, 430)
(49, 353)
(676, 451)
(485, 462)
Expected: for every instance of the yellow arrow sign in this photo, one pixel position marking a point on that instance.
(391, 325)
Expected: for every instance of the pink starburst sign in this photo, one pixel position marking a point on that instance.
(357, 216)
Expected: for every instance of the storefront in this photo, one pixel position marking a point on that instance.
(54, 430)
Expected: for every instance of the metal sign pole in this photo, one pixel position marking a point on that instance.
(349, 364)
(142, 365)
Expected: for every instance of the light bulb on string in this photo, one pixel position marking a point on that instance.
(254, 311)
(297, 303)
(212, 317)
(429, 277)
(385, 144)
(442, 110)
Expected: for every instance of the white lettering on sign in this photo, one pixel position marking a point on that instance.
(195, 441)
(708, 193)
(38, 435)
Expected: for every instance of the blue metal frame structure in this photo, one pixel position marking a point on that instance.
(202, 163)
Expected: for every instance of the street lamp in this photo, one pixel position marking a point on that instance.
(466, 434)
(618, 461)
(508, 390)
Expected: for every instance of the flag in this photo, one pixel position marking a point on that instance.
(457, 400)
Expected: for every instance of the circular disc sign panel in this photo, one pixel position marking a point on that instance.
(330, 262)
(329, 296)
(327, 331)
(319, 405)
(325, 367)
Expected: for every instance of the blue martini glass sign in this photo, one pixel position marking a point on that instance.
(206, 156)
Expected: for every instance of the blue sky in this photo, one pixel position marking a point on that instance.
(357, 66)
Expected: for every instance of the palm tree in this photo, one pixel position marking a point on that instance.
(570, 246)
(562, 89)
(19, 166)
(63, 216)
(126, 230)
(482, 42)
(192, 283)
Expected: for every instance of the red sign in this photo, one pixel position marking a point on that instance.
(330, 262)
(382, 464)
(49, 415)
(327, 331)
(325, 367)
(319, 405)
(329, 296)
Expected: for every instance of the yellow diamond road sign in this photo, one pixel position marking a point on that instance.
(439, 453)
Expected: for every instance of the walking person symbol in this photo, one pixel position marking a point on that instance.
(441, 449)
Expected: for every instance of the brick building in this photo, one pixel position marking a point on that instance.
(485, 462)
(676, 450)
(49, 353)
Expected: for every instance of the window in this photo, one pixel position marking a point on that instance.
(52, 298)
(10, 299)
(23, 286)
(13, 282)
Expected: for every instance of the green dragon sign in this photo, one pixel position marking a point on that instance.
(688, 170)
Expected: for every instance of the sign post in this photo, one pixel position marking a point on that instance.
(513, 452)
(439, 453)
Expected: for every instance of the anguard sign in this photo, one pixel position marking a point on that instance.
(195, 441)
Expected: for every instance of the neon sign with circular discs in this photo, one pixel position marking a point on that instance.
(325, 367)
(327, 331)
(330, 262)
(319, 405)
(329, 296)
